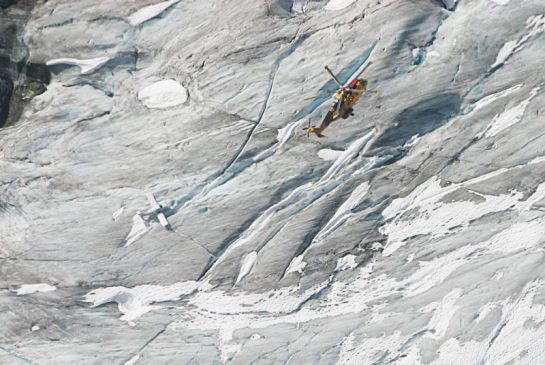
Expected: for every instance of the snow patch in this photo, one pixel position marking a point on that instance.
(150, 12)
(485, 310)
(117, 214)
(285, 133)
(247, 265)
(139, 228)
(500, 2)
(35, 328)
(443, 314)
(299, 6)
(344, 212)
(437, 218)
(508, 118)
(163, 94)
(505, 52)
(347, 262)
(135, 302)
(34, 288)
(497, 276)
(536, 25)
(493, 97)
(86, 66)
(369, 350)
(132, 360)
(329, 155)
(296, 265)
(346, 156)
(338, 4)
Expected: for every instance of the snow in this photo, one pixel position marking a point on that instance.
(509, 240)
(485, 310)
(352, 352)
(150, 12)
(347, 262)
(442, 315)
(299, 6)
(87, 66)
(338, 4)
(137, 301)
(163, 94)
(505, 52)
(346, 156)
(35, 328)
(329, 155)
(489, 99)
(536, 24)
(139, 228)
(437, 218)
(247, 264)
(509, 117)
(286, 132)
(500, 2)
(296, 265)
(343, 213)
(263, 204)
(34, 288)
(132, 360)
(117, 214)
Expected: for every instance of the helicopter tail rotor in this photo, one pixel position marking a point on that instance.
(309, 129)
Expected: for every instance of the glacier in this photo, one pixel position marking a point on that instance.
(413, 233)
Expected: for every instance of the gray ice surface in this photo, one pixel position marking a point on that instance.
(420, 243)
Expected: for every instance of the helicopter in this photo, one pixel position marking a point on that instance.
(345, 100)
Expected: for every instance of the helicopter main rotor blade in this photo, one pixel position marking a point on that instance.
(333, 76)
(363, 69)
(356, 90)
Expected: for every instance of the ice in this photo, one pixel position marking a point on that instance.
(34, 288)
(150, 12)
(450, 4)
(86, 66)
(412, 234)
(163, 94)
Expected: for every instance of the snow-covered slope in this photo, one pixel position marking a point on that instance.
(412, 234)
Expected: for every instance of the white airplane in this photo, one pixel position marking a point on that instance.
(157, 210)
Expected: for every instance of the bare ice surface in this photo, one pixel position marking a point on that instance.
(161, 204)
